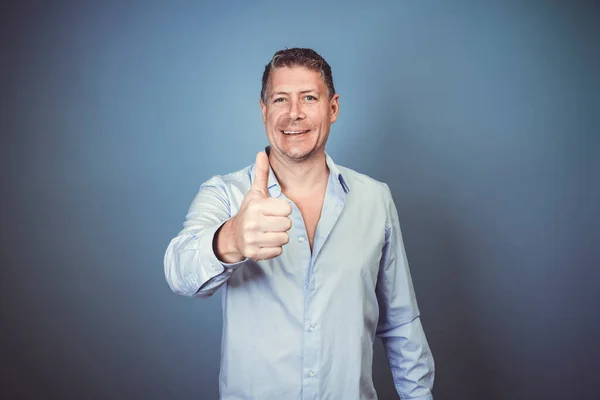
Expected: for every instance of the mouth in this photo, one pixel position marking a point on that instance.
(295, 132)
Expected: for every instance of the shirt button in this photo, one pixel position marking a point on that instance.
(311, 328)
(301, 239)
(311, 374)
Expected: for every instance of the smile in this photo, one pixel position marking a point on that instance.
(295, 132)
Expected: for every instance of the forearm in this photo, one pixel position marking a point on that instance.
(410, 359)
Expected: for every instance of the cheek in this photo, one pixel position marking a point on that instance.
(273, 117)
(322, 115)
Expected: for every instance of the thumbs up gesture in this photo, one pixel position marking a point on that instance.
(259, 229)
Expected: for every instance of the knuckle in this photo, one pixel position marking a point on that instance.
(252, 225)
(248, 237)
(253, 207)
(254, 194)
(263, 254)
(253, 253)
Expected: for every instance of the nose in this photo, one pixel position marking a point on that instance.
(296, 111)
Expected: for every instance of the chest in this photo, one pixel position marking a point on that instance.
(310, 208)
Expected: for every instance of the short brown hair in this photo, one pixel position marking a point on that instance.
(298, 57)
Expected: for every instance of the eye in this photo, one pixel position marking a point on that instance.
(279, 100)
(310, 98)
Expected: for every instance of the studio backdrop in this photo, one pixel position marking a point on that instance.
(482, 117)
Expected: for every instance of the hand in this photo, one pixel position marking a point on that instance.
(260, 227)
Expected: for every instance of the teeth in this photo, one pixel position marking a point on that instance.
(293, 132)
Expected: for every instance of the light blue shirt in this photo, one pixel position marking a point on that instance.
(302, 325)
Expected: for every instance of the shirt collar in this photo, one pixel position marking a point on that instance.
(275, 189)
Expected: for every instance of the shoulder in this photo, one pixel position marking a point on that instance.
(226, 187)
(237, 178)
(363, 183)
(371, 194)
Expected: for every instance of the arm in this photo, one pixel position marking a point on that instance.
(399, 324)
(192, 267)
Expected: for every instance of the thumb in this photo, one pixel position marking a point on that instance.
(261, 173)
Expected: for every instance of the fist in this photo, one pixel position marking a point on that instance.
(260, 227)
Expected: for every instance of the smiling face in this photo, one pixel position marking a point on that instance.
(298, 112)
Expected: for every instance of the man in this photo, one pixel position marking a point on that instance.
(308, 255)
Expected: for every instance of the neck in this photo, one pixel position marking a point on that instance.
(300, 177)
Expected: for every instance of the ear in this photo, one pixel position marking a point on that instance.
(263, 109)
(334, 105)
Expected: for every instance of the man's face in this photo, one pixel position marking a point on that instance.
(298, 112)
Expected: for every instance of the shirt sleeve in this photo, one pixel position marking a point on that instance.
(191, 265)
(399, 325)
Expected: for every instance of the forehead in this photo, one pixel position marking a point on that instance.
(295, 78)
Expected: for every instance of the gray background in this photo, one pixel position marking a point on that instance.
(481, 116)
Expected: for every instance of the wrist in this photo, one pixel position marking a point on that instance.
(224, 244)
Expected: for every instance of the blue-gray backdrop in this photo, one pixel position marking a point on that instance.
(481, 116)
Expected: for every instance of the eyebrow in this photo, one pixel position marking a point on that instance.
(301, 92)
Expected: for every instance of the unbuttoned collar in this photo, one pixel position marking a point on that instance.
(275, 189)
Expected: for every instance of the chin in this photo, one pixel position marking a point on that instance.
(297, 154)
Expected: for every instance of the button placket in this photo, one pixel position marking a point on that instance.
(310, 352)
